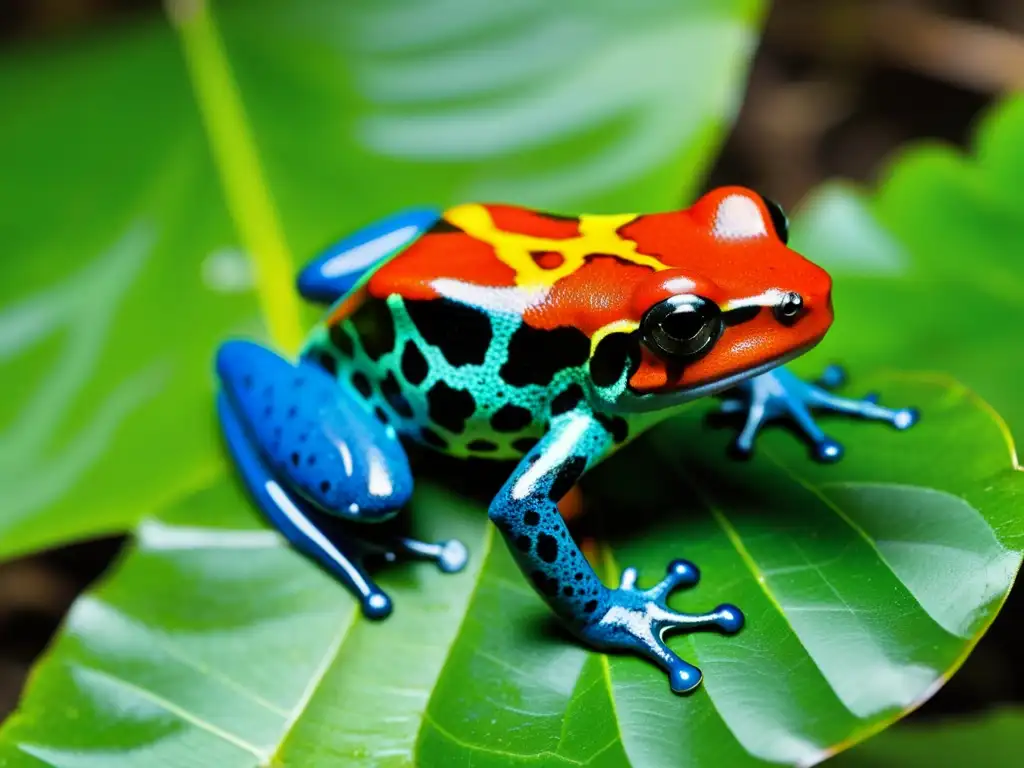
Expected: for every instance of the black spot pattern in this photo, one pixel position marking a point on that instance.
(525, 444)
(566, 400)
(430, 437)
(741, 315)
(462, 333)
(567, 476)
(617, 426)
(590, 607)
(376, 328)
(511, 418)
(536, 355)
(362, 384)
(341, 340)
(414, 364)
(326, 361)
(449, 407)
(547, 586)
(547, 548)
(443, 226)
(615, 353)
(393, 394)
(381, 415)
(531, 517)
(482, 446)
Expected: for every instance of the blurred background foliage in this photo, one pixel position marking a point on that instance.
(836, 89)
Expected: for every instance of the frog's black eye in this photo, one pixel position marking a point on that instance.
(779, 219)
(682, 328)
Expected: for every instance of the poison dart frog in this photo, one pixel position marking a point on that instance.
(502, 332)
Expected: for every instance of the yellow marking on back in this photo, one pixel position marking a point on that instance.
(597, 235)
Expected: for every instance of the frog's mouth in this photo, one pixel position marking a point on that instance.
(634, 402)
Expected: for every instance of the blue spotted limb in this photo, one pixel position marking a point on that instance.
(623, 619)
(781, 394)
(305, 448)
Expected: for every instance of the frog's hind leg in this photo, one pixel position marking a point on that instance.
(305, 446)
(292, 517)
(334, 272)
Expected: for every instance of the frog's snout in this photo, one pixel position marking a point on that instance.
(805, 313)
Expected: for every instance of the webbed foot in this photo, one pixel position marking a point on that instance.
(780, 394)
(639, 619)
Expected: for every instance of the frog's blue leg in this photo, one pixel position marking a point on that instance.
(335, 271)
(779, 394)
(627, 618)
(292, 517)
(305, 446)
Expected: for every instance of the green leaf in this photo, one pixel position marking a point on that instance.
(158, 193)
(927, 269)
(996, 738)
(865, 585)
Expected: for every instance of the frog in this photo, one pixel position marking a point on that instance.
(495, 331)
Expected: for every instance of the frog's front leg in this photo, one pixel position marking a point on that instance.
(627, 618)
(305, 447)
(781, 394)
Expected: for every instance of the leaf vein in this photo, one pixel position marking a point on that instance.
(174, 709)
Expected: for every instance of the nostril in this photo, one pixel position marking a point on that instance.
(790, 308)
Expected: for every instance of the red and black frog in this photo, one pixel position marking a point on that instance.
(500, 332)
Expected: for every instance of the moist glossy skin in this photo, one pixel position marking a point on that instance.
(498, 319)
(495, 331)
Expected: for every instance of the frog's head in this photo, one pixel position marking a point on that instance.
(734, 302)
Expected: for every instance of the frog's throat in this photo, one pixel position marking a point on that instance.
(629, 402)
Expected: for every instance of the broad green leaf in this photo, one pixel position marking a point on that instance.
(120, 272)
(147, 170)
(865, 585)
(927, 267)
(994, 739)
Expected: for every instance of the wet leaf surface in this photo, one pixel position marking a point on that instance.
(864, 584)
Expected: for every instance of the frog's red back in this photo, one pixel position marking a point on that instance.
(601, 273)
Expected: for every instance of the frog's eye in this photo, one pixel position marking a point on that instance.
(682, 328)
(779, 219)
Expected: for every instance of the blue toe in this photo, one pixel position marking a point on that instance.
(684, 678)
(740, 452)
(730, 619)
(684, 572)
(828, 451)
(833, 376)
(377, 606)
(454, 556)
(906, 418)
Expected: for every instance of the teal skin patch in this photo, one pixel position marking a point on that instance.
(521, 413)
